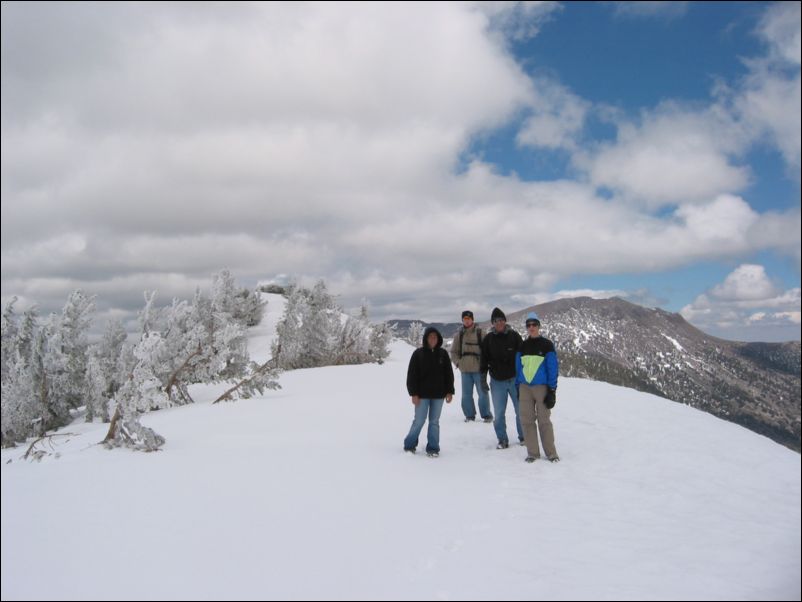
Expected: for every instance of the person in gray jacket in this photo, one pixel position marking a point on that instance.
(466, 351)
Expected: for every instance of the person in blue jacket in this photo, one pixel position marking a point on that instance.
(537, 370)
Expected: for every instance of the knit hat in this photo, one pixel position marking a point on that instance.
(532, 317)
(467, 314)
(497, 315)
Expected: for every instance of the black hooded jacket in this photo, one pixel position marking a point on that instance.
(430, 375)
(498, 353)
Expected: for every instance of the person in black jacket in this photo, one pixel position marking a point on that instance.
(498, 357)
(430, 380)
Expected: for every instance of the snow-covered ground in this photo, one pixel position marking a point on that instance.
(305, 493)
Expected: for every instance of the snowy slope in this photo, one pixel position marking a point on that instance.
(305, 493)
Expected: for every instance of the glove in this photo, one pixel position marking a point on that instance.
(485, 386)
(550, 399)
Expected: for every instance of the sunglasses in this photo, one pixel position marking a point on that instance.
(533, 324)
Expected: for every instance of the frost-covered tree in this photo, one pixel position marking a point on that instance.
(249, 308)
(288, 346)
(27, 331)
(322, 326)
(49, 378)
(103, 374)
(149, 314)
(380, 338)
(415, 334)
(9, 333)
(205, 342)
(49, 368)
(19, 404)
(309, 330)
(109, 353)
(95, 398)
(71, 336)
(186, 343)
(354, 342)
(182, 338)
(142, 392)
(361, 341)
(315, 332)
(36, 380)
(228, 334)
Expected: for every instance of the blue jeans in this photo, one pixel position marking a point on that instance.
(499, 390)
(432, 409)
(469, 380)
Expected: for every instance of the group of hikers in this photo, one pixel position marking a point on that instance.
(526, 370)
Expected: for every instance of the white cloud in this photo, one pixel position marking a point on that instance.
(558, 117)
(512, 277)
(748, 282)
(517, 20)
(747, 305)
(780, 28)
(322, 141)
(725, 221)
(651, 9)
(672, 156)
(676, 154)
(771, 99)
(770, 105)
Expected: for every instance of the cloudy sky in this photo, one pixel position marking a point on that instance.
(426, 157)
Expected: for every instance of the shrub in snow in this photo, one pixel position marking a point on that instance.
(315, 332)
(415, 334)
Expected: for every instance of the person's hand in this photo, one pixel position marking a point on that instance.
(485, 386)
(550, 399)
(415, 399)
(448, 398)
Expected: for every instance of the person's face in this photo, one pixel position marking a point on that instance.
(533, 329)
(500, 324)
(432, 340)
(467, 321)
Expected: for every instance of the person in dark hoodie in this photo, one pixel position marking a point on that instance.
(430, 380)
(498, 357)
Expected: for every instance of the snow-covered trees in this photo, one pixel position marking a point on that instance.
(415, 334)
(141, 392)
(49, 368)
(315, 332)
(43, 368)
(71, 335)
(109, 371)
(185, 344)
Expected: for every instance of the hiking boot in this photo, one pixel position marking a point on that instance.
(410, 450)
(470, 419)
(433, 454)
(487, 419)
(530, 459)
(502, 445)
(554, 459)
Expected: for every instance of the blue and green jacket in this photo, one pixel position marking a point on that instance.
(536, 363)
